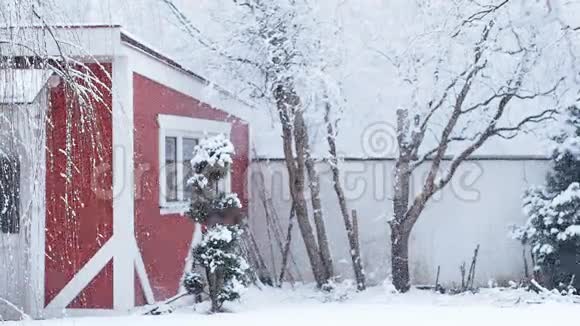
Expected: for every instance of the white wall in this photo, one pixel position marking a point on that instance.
(22, 133)
(478, 207)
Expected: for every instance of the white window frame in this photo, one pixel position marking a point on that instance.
(184, 127)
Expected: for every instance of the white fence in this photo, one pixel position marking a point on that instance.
(478, 207)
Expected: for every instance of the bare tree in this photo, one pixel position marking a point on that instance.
(269, 49)
(295, 135)
(472, 108)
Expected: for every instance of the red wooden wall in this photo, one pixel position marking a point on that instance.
(79, 213)
(164, 240)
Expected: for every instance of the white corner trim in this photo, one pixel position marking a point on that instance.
(123, 184)
(81, 279)
(35, 301)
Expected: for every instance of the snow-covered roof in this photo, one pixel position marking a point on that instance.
(21, 86)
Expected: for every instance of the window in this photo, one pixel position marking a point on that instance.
(188, 146)
(9, 195)
(178, 137)
(171, 169)
(178, 154)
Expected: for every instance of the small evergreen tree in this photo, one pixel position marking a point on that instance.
(218, 254)
(553, 226)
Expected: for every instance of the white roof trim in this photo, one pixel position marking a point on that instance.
(21, 86)
(193, 125)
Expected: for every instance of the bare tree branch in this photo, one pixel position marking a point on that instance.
(196, 34)
(480, 15)
(537, 118)
(429, 154)
(429, 188)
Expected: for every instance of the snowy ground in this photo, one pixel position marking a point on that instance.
(304, 306)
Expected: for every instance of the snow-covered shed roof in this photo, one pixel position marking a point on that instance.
(21, 86)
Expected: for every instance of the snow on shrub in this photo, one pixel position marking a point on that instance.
(553, 219)
(213, 157)
(553, 211)
(211, 162)
(217, 256)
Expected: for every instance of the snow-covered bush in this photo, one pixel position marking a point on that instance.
(218, 254)
(193, 283)
(553, 226)
(212, 160)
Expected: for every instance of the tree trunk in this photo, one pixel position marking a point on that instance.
(402, 223)
(400, 258)
(319, 223)
(286, 251)
(350, 222)
(214, 284)
(307, 232)
(357, 265)
(286, 102)
(303, 152)
(401, 190)
(400, 226)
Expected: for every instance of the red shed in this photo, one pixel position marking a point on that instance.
(109, 233)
